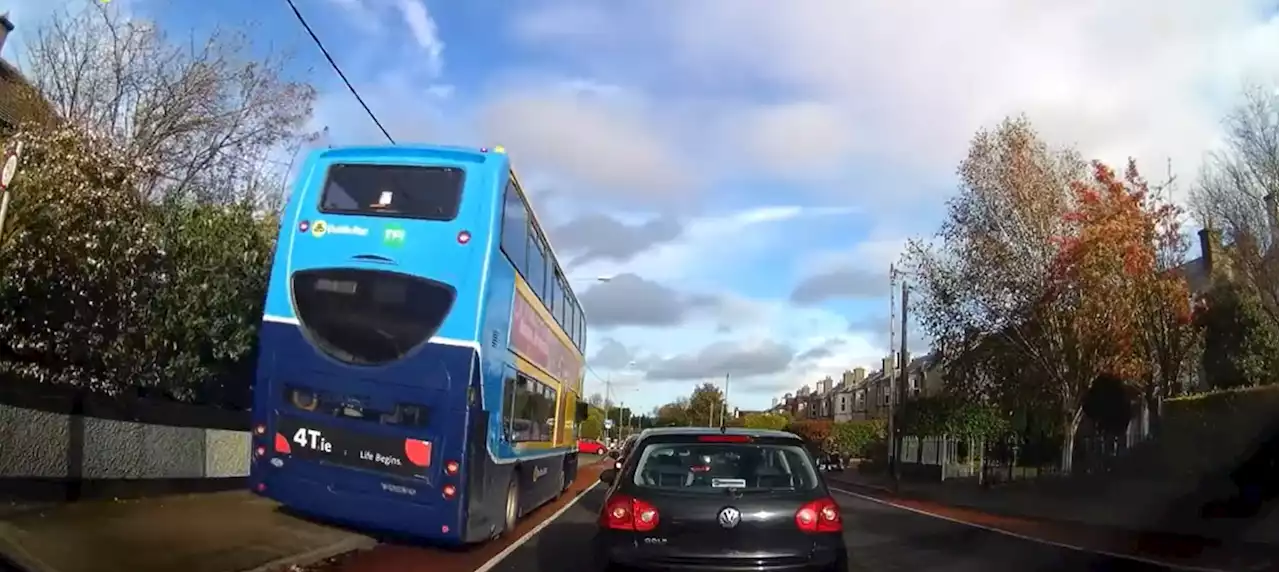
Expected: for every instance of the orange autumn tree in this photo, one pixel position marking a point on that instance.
(1118, 265)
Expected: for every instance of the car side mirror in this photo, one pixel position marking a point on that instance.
(608, 476)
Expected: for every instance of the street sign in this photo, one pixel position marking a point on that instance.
(10, 169)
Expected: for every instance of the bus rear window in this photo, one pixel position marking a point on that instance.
(368, 317)
(428, 193)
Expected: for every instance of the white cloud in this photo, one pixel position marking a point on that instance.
(795, 139)
(606, 143)
(423, 27)
(907, 83)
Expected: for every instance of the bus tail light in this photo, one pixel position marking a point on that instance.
(260, 451)
(622, 512)
(451, 468)
(282, 445)
(449, 491)
(259, 429)
(822, 515)
(464, 237)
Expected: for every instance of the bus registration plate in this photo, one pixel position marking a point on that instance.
(308, 440)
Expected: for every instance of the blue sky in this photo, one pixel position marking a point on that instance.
(747, 170)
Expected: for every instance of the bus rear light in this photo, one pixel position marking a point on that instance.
(304, 226)
(418, 452)
(260, 451)
(451, 468)
(464, 237)
(282, 445)
(449, 491)
(259, 429)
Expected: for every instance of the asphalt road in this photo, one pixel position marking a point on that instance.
(879, 537)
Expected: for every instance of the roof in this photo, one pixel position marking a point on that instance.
(717, 431)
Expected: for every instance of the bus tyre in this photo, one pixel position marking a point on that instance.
(512, 513)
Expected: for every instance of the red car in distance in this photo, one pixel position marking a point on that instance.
(591, 447)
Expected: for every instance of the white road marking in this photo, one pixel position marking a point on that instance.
(499, 557)
(1130, 557)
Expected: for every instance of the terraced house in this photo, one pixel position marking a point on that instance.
(860, 395)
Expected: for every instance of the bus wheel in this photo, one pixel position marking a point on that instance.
(512, 514)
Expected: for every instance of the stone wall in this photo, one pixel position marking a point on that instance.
(60, 445)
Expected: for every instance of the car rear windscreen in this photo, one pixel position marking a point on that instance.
(714, 467)
(417, 192)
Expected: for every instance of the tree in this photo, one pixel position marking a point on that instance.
(674, 414)
(207, 113)
(706, 404)
(1237, 192)
(73, 261)
(136, 254)
(990, 271)
(1240, 342)
(765, 421)
(1122, 258)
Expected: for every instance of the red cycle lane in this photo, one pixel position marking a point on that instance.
(407, 558)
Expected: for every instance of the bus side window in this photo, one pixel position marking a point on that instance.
(508, 407)
(515, 229)
(537, 265)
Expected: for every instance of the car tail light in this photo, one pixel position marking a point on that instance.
(822, 515)
(622, 512)
(451, 468)
(260, 429)
(449, 491)
(261, 451)
(464, 237)
(725, 438)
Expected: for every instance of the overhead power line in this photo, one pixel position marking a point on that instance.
(335, 67)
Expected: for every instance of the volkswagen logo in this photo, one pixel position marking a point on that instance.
(729, 517)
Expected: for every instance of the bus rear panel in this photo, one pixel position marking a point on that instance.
(366, 403)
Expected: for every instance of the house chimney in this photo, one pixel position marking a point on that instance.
(1210, 240)
(859, 374)
(1273, 218)
(6, 27)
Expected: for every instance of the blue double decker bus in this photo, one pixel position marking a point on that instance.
(421, 354)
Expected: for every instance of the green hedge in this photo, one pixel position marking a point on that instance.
(1211, 431)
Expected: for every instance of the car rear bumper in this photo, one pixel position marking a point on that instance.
(823, 557)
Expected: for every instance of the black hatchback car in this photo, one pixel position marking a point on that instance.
(719, 499)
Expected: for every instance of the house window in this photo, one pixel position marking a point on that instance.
(844, 403)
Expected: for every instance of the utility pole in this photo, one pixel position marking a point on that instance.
(607, 382)
(725, 407)
(889, 381)
(901, 396)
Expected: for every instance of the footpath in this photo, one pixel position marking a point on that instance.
(1126, 520)
(218, 532)
(232, 531)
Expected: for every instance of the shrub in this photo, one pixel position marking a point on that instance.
(857, 438)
